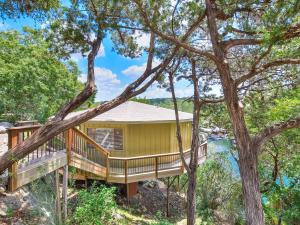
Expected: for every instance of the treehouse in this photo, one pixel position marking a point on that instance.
(129, 143)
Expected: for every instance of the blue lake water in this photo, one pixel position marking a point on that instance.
(223, 145)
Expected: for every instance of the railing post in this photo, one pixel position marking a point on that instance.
(156, 167)
(13, 169)
(107, 167)
(205, 149)
(69, 143)
(126, 170)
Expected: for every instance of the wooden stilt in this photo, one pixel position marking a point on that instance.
(57, 202)
(86, 183)
(127, 193)
(168, 189)
(65, 193)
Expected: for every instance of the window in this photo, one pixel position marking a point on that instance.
(109, 138)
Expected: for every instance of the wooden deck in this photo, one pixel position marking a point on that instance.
(76, 149)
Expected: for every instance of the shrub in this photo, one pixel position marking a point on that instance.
(96, 206)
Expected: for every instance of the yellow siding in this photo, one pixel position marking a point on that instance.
(186, 133)
(146, 139)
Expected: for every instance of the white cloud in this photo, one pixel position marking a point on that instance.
(156, 92)
(106, 75)
(101, 52)
(76, 57)
(142, 39)
(107, 82)
(137, 70)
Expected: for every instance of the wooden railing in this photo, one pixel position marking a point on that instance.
(88, 148)
(17, 135)
(127, 166)
(75, 142)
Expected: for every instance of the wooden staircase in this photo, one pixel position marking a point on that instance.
(76, 149)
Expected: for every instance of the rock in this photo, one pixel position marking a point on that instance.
(3, 209)
(118, 216)
(4, 126)
(151, 184)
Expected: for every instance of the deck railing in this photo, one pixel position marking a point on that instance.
(88, 148)
(17, 135)
(126, 166)
(74, 141)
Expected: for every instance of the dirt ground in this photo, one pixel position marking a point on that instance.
(152, 199)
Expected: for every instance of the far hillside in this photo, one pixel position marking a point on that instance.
(183, 104)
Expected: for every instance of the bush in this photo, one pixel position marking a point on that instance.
(161, 220)
(219, 190)
(96, 206)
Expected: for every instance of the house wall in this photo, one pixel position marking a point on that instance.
(146, 139)
(186, 134)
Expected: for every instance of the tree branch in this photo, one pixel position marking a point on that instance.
(176, 41)
(178, 129)
(276, 129)
(90, 86)
(264, 68)
(236, 42)
(211, 101)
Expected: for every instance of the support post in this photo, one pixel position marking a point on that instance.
(57, 201)
(65, 192)
(132, 189)
(156, 167)
(13, 169)
(86, 183)
(168, 189)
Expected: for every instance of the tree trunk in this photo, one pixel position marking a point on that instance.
(191, 199)
(250, 183)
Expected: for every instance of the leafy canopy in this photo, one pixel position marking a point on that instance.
(34, 82)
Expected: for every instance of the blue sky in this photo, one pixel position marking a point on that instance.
(112, 71)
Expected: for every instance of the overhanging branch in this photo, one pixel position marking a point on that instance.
(264, 68)
(276, 129)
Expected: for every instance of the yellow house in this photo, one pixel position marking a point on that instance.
(136, 129)
(140, 140)
(129, 143)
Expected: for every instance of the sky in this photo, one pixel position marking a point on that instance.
(113, 72)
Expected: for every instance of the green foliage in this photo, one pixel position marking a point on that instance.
(34, 82)
(279, 174)
(36, 9)
(95, 206)
(161, 220)
(219, 190)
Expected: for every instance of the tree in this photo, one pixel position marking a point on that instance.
(219, 191)
(246, 42)
(34, 82)
(198, 101)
